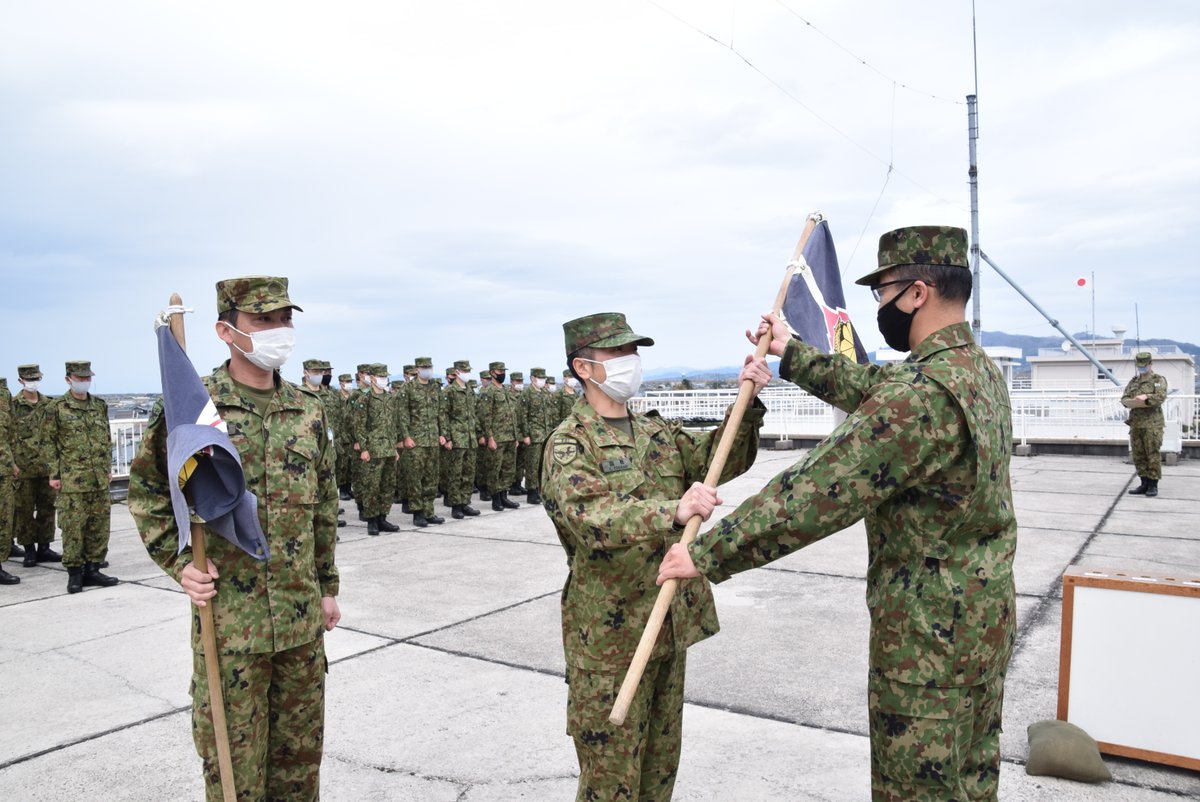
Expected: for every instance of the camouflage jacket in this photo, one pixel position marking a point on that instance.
(458, 416)
(541, 409)
(498, 413)
(7, 460)
(262, 606)
(566, 402)
(418, 409)
(28, 432)
(77, 443)
(332, 401)
(924, 457)
(612, 501)
(1154, 387)
(373, 421)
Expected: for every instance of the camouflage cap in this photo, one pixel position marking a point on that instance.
(602, 330)
(364, 367)
(29, 373)
(4, 384)
(462, 364)
(379, 369)
(551, 380)
(920, 245)
(1142, 359)
(516, 376)
(408, 370)
(313, 364)
(451, 373)
(345, 377)
(472, 383)
(496, 366)
(79, 367)
(484, 374)
(397, 384)
(537, 373)
(567, 373)
(423, 362)
(254, 294)
(325, 365)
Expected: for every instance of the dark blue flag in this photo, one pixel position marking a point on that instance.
(202, 462)
(815, 308)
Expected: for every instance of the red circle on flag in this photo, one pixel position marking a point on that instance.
(1081, 281)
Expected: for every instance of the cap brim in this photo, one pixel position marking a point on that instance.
(270, 308)
(869, 279)
(617, 340)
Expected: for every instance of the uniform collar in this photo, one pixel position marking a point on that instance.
(602, 433)
(956, 335)
(226, 393)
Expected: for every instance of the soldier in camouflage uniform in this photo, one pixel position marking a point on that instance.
(270, 614)
(345, 442)
(420, 431)
(8, 476)
(619, 487)
(516, 387)
(499, 421)
(460, 428)
(318, 376)
(568, 395)
(924, 456)
(33, 516)
(354, 405)
(541, 417)
(1144, 395)
(374, 427)
(483, 454)
(78, 449)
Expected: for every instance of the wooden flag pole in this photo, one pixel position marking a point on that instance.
(208, 628)
(662, 604)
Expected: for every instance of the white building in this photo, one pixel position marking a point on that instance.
(1055, 368)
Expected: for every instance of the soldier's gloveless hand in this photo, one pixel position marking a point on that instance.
(699, 499)
(198, 585)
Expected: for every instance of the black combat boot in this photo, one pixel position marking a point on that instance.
(534, 497)
(498, 502)
(419, 520)
(74, 580)
(17, 550)
(1141, 489)
(344, 493)
(30, 556)
(468, 510)
(484, 495)
(1152, 490)
(385, 525)
(45, 554)
(341, 523)
(516, 489)
(456, 512)
(8, 579)
(508, 503)
(361, 516)
(404, 508)
(92, 576)
(373, 527)
(435, 519)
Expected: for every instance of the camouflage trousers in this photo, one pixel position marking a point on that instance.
(934, 744)
(345, 454)
(33, 517)
(444, 470)
(533, 463)
(7, 492)
(371, 490)
(1145, 444)
(501, 467)
(519, 467)
(422, 478)
(84, 519)
(638, 760)
(400, 473)
(275, 713)
(481, 461)
(460, 474)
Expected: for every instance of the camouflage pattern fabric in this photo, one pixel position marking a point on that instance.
(566, 401)
(461, 427)
(612, 501)
(638, 759)
(920, 245)
(78, 449)
(601, 330)
(522, 412)
(541, 418)
(924, 457)
(1146, 424)
(418, 417)
(374, 430)
(345, 439)
(7, 481)
(270, 605)
(255, 294)
(33, 515)
(423, 465)
(499, 420)
(276, 758)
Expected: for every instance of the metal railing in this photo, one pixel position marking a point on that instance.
(1084, 414)
(126, 434)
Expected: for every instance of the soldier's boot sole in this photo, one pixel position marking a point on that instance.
(8, 579)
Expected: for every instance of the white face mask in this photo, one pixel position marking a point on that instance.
(271, 348)
(313, 381)
(81, 388)
(539, 383)
(425, 373)
(32, 387)
(624, 377)
(572, 382)
(381, 383)
(347, 387)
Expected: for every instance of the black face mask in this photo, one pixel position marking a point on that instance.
(895, 323)
(326, 381)
(499, 377)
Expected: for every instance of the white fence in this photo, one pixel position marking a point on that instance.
(126, 436)
(1083, 415)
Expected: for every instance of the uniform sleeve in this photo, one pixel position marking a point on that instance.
(150, 499)
(699, 448)
(6, 450)
(403, 414)
(1158, 394)
(325, 514)
(833, 378)
(896, 438)
(51, 445)
(581, 502)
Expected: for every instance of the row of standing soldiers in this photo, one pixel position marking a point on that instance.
(412, 440)
(55, 456)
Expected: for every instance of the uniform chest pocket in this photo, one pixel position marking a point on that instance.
(620, 469)
(300, 467)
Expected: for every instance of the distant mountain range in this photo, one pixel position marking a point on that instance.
(1028, 344)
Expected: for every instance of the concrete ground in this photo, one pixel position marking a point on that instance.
(446, 677)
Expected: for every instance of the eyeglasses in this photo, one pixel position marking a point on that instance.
(910, 281)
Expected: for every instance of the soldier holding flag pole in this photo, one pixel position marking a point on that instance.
(267, 491)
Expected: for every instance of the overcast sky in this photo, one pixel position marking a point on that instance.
(456, 179)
